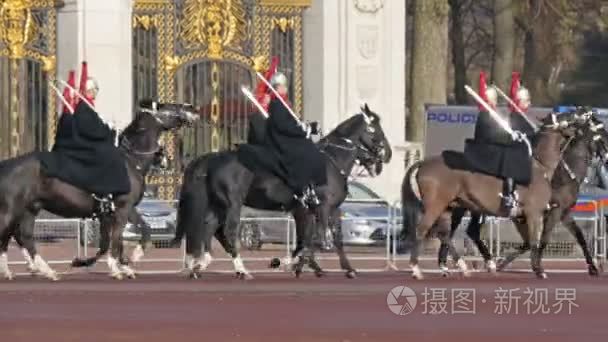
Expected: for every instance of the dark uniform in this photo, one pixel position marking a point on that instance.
(256, 133)
(493, 151)
(85, 156)
(300, 158)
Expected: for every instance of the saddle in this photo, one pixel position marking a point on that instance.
(88, 179)
(258, 158)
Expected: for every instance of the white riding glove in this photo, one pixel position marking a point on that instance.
(518, 136)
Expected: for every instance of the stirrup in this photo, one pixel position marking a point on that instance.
(105, 205)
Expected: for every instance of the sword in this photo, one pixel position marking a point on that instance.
(65, 102)
(497, 117)
(253, 100)
(87, 102)
(530, 122)
(280, 98)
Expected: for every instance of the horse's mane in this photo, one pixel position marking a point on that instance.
(345, 128)
(131, 128)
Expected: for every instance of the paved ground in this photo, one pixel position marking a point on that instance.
(278, 307)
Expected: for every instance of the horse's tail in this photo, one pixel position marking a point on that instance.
(412, 209)
(193, 199)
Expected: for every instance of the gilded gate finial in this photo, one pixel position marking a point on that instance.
(17, 26)
(214, 23)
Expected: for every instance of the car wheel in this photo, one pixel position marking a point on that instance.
(250, 236)
(89, 237)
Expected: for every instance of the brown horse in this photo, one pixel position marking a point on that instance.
(577, 158)
(430, 189)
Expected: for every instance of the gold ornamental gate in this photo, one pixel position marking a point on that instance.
(27, 64)
(202, 52)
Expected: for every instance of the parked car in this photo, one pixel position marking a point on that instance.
(160, 215)
(364, 222)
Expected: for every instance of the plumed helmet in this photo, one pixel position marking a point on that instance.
(492, 95)
(92, 85)
(278, 79)
(523, 94)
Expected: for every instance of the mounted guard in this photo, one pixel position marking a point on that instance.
(495, 151)
(85, 154)
(257, 119)
(519, 105)
(289, 139)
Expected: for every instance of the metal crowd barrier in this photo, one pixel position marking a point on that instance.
(59, 240)
(497, 238)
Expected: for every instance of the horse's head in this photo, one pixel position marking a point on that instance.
(142, 137)
(165, 116)
(598, 145)
(377, 149)
(161, 161)
(567, 125)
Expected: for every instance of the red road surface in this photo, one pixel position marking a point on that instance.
(278, 307)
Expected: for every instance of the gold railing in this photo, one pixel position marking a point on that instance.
(27, 64)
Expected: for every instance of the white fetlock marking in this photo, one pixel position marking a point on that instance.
(44, 268)
(4, 267)
(491, 266)
(114, 270)
(239, 267)
(138, 253)
(444, 269)
(28, 259)
(189, 262)
(462, 266)
(128, 271)
(207, 259)
(416, 272)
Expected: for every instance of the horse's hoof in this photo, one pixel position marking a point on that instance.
(491, 266)
(593, 271)
(352, 274)
(417, 276)
(117, 276)
(244, 276)
(275, 263)
(298, 273)
(462, 266)
(541, 275)
(444, 270)
(320, 274)
(9, 276)
(129, 272)
(193, 275)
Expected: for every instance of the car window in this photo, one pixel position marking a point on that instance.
(358, 191)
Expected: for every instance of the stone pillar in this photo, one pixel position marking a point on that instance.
(100, 33)
(354, 53)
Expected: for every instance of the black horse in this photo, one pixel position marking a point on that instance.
(577, 156)
(217, 185)
(160, 162)
(27, 189)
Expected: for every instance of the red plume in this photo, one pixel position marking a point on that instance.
(84, 76)
(482, 89)
(262, 88)
(67, 93)
(514, 87)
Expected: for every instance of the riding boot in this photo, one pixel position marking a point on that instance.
(104, 205)
(508, 195)
(312, 198)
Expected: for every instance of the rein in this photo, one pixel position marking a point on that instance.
(331, 158)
